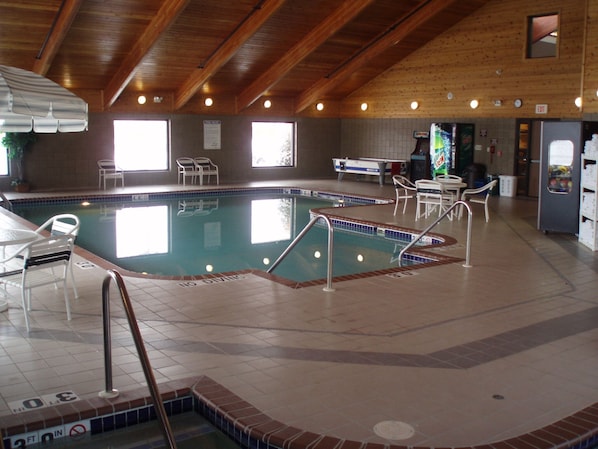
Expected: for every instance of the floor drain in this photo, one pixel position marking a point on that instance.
(394, 430)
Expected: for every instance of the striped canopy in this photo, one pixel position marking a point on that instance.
(29, 101)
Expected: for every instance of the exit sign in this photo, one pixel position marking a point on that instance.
(541, 109)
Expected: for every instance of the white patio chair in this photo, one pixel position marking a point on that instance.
(446, 183)
(432, 196)
(404, 190)
(187, 169)
(479, 196)
(63, 224)
(39, 263)
(206, 167)
(107, 169)
(449, 177)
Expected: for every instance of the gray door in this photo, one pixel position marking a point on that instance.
(558, 201)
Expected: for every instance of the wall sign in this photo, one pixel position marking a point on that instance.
(212, 134)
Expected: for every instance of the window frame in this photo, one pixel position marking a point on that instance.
(531, 44)
(292, 141)
(4, 150)
(165, 156)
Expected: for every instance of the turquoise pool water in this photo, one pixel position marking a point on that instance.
(196, 235)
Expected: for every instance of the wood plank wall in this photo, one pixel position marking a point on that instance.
(483, 57)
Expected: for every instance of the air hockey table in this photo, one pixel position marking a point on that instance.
(369, 166)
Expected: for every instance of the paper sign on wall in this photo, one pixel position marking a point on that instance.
(211, 134)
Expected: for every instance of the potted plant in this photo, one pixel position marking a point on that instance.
(16, 144)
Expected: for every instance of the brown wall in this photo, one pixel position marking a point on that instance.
(68, 161)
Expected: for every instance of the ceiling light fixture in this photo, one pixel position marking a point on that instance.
(141, 99)
(414, 105)
(578, 102)
(320, 106)
(267, 104)
(208, 102)
(474, 104)
(364, 107)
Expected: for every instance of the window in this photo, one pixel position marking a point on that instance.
(273, 144)
(141, 144)
(542, 36)
(3, 158)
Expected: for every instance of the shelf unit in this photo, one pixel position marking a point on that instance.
(588, 211)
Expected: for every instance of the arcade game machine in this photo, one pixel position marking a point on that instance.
(420, 158)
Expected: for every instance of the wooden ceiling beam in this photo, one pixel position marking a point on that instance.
(425, 11)
(228, 49)
(62, 23)
(316, 37)
(163, 19)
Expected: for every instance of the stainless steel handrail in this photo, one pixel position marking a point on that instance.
(307, 227)
(110, 392)
(438, 220)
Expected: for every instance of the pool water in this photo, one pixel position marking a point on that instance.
(206, 234)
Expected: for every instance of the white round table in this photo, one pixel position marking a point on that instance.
(16, 236)
(9, 237)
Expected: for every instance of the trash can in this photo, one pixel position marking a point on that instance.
(474, 175)
(508, 185)
(494, 190)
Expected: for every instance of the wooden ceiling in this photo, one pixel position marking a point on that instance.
(307, 50)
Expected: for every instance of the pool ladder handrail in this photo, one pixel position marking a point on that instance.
(304, 231)
(467, 263)
(110, 392)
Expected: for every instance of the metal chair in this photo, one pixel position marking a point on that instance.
(187, 169)
(431, 195)
(446, 183)
(39, 263)
(479, 196)
(63, 224)
(109, 170)
(206, 167)
(404, 190)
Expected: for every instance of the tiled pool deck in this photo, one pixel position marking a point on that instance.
(502, 354)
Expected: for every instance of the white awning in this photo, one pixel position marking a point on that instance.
(29, 101)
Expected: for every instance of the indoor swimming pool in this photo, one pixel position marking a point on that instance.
(211, 233)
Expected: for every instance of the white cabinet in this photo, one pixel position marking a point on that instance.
(588, 212)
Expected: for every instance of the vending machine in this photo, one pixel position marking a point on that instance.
(451, 148)
(561, 144)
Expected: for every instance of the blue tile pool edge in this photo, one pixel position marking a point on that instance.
(40, 199)
(248, 426)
